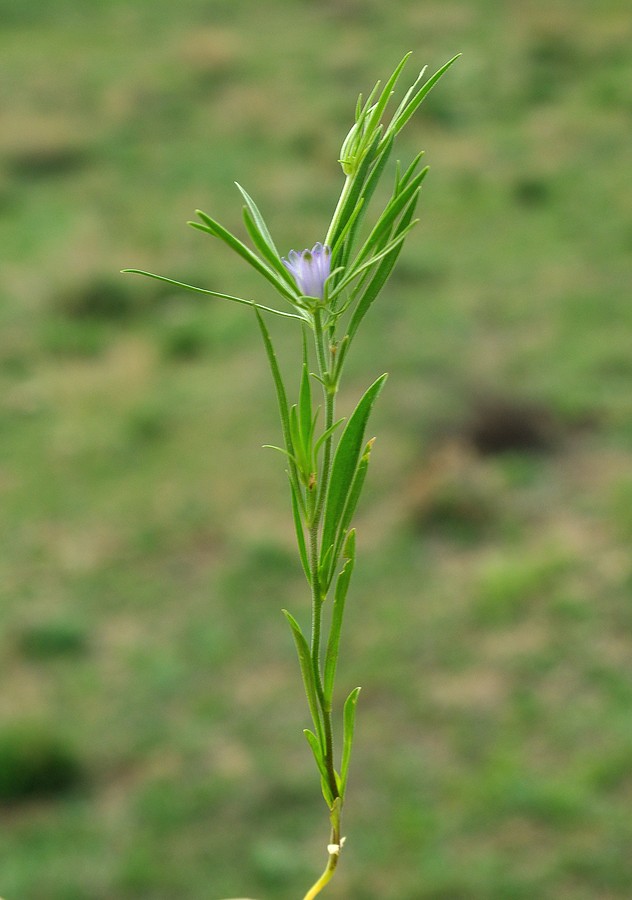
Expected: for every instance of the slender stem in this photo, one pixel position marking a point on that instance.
(336, 216)
(323, 355)
(325, 878)
(329, 390)
(317, 602)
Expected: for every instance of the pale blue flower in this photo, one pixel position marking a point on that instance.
(310, 269)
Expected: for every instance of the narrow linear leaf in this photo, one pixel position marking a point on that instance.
(214, 228)
(381, 274)
(405, 115)
(392, 210)
(355, 272)
(348, 716)
(321, 440)
(386, 95)
(262, 247)
(333, 644)
(305, 415)
(305, 663)
(290, 456)
(300, 534)
(345, 462)
(368, 189)
(199, 290)
(313, 742)
(343, 534)
(258, 218)
(355, 193)
(410, 171)
(281, 398)
(324, 565)
(354, 493)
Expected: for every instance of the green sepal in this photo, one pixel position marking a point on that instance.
(313, 742)
(345, 462)
(348, 716)
(305, 662)
(340, 596)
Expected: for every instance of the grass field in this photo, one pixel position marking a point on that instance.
(151, 708)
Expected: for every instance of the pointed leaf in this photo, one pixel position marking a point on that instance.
(261, 236)
(300, 534)
(331, 655)
(216, 230)
(386, 94)
(305, 663)
(305, 409)
(346, 461)
(281, 398)
(343, 534)
(313, 742)
(381, 274)
(328, 433)
(406, 113)
(349, 713)
(199, 290)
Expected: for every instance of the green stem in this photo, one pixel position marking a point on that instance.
(323, 356)
(336, 216)
(325, 878)
(329, 390)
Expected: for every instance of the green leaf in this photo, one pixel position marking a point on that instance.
(354, 195)
(305, 663)
(345, 463)
(349, 713)
(379, 277)
(366, 194)
(313, 742)
(281, 399)
(258, 230)
(343, 534)
(321, 440)
(386, 95)
(384, 225)
(305, 414)
(333, 643)
(199, 290)
(400, 119)
(214, 228)
(297, 505)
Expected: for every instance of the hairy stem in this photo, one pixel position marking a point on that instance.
(323, 356)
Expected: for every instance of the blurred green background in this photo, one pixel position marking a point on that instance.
(151, 707)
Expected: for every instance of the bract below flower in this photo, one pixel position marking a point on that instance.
(310, 268)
